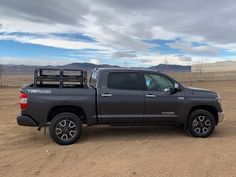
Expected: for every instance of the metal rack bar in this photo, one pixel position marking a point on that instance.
(40, 76)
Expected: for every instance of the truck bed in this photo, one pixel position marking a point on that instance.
(41, 101)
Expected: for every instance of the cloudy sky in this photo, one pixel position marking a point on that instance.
(121, 32)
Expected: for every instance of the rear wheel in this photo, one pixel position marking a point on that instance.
(201, 123)
(65, 128)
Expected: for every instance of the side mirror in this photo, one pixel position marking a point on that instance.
(175, 89)
(167, 89)
(176, 86)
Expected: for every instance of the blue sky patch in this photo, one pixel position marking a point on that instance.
(17, 49)
(75, 37)
(162, 47)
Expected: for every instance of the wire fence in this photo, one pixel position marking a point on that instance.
(1, 74)
(189, 77)
(10, 77)
(18, 77)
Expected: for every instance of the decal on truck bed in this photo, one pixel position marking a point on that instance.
(35, 91)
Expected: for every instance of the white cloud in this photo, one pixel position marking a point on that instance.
(185, 59)
(150, 59)
(188, 48)
(36, 61)
(123, 54)
(124, 25)
(156, 59)
(159, 33)
(53, 41)
(94, 61)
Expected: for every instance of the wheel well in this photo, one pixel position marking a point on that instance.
(72, 109)
(211, 109)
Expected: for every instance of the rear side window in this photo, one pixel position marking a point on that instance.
(123, 80)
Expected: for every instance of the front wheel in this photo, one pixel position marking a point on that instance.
(201, 123)
(65, 128)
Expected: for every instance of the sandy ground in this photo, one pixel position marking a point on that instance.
(119, 151)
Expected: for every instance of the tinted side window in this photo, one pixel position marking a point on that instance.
(157, 82)
(122, 80)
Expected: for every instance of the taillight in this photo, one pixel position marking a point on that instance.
(23, 100)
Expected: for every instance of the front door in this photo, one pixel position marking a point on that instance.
(161, 106)
(121, 101)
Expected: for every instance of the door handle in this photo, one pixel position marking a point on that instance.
(150, 96)
(106, 95)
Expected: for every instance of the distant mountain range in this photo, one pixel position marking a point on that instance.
(25, 69)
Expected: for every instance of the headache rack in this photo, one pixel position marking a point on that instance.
(61, 78)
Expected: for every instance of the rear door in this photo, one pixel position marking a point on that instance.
(161, 106)
(121, 99)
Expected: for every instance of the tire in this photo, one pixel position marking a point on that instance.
(65, 128)
(201, 123)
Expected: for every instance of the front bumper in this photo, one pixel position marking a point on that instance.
(220, 116)
(26, 121)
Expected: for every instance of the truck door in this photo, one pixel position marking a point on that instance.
(161, 106)
(121, 98)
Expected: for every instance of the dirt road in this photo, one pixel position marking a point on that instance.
(119, 151)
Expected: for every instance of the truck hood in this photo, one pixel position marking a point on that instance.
(201, 91)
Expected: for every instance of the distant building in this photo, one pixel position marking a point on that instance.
(222, 66)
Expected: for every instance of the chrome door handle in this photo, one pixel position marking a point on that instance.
(150, 96)
(106, 95)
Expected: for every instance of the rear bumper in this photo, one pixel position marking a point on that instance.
(220, 116)
(26, 121)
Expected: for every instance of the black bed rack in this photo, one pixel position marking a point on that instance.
(60, 77)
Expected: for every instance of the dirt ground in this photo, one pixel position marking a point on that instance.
(119, 151)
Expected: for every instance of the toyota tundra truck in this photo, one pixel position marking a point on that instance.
(65, 101)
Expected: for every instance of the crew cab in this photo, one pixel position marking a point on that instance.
(115, 96)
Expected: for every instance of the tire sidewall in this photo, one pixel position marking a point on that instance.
(65, 116)
(199, 113)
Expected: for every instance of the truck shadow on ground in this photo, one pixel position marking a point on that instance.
(118, 133)
(30, 137)
(102, 133)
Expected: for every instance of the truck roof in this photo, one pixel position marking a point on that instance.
(126, 69)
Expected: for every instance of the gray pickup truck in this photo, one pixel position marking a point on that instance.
(115, 96)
